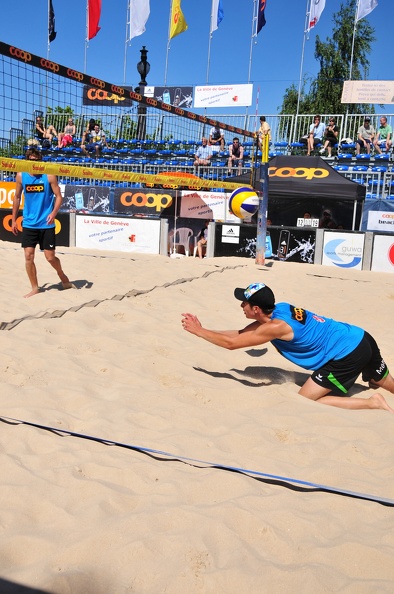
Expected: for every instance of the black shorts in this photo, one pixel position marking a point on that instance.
(45, 238)
(339, 376)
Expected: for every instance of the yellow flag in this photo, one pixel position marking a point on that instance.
(178, 23)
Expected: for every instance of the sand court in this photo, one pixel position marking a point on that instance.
(110, 360)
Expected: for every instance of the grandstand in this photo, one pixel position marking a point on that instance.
(35, 86)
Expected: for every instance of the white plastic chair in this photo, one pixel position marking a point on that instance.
(182, 237)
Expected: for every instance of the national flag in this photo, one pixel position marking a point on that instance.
(139, 11)
(94, 13)
(217, 14)
(51, 23)
(260, 15)
(317, 7)
(178, 23)
(365, 7)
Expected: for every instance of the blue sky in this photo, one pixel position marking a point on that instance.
(276, 56)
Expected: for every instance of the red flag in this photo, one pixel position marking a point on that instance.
(94, 12)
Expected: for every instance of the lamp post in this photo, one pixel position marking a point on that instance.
(143, 68)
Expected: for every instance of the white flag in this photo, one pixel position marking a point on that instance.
(216, 14)
(365, 7)
(317, 7)
(139, 13)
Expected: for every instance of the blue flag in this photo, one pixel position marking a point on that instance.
(261, 16)
(217, 14)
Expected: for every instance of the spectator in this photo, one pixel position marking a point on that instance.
(43, 133)
(97, 141)
(384, 133)
(236, 156)
(216, 137)
(316, 133)
(365, 136)
(326, 221)
(203, 154)
(330, 137)
(87, 135)
(202, 239)
(264, 130)
(65, 138)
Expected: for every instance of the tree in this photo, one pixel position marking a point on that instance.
(334, 57)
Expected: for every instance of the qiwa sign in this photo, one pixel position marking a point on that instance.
(344, 250)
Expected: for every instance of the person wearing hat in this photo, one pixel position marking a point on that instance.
(365, 136)
(336, 352)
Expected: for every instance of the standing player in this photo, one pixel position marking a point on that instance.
(42, 202)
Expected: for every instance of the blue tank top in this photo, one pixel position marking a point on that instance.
(39, 201)
(317, 339)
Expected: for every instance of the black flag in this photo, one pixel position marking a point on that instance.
(51, 23)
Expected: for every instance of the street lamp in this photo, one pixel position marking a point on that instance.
(143, 68)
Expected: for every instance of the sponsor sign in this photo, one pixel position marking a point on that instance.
(118, 234)
(94, 199)
(7, 193)
(101, 97)
(383, 254)
(223, 96)
(62, 228)
(380, 221)
(203, 205)
(181, 97)
(147, 202)
(368, 91)
(230, 233)
(344, 250)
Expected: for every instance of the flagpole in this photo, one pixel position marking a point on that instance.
(128, 21)
(351, 58)
(302, 59)
(209, 44)
(49, 43)
(252, 41)
(87, 36)
(168, 44)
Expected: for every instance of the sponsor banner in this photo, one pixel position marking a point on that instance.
(223, 96)
(176, 96)
(95, 199)
(168, 180)
(91, 81)
(132, 201)
(204, 205)
(344, 250)
(368, 91)
(293, 245)
(7, 193)
(99, 97)
(118, 234)
(380, 221)
(62, 228)
(383, 254)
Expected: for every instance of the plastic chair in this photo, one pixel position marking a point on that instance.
(182, 237)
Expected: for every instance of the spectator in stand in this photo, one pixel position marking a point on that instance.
(97, 141)
(216, 137)
(365, 136)
(236, 151)
(65, 138)
(326, 221)
(330, 137)
(203, 154)
(316, 133)
(43, 133)
(202, 239)
(264, 130)
(87, 135)
(383, 133)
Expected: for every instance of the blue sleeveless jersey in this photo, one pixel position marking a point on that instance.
(39, 201)
(317, 339)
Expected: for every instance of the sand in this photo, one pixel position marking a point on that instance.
(110, 359)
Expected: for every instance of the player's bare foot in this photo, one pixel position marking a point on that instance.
(68, 285)
(33, 292)
(377, 401)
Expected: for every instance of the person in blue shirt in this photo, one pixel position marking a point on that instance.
(42, 202)
(203, 154)
(316, 133)
(336, 352)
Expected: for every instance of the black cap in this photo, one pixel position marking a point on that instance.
(257, 294)
(367, 119)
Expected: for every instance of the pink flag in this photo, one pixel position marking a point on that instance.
(317, 7)
(94, 13)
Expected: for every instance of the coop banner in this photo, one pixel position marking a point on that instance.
(204, 205)
(117, 234)
(7, 193)
(100, 97)
(147, 202)
(62, 228)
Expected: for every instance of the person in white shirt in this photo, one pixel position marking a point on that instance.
(316, 133)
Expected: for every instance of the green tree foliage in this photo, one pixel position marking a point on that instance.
(334, 57)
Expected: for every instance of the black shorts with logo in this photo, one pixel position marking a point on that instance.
(45, 238)
(339, 376)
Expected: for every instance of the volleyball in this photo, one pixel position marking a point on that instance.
(243, 203)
